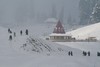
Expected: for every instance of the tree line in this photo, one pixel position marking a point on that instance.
(89, 11)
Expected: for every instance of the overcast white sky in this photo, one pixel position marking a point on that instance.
(8, 8)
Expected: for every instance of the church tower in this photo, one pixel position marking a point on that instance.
(59, 29)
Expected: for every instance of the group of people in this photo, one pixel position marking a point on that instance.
(70, 53)
(13, 34)
(86, 53)
(26, 32)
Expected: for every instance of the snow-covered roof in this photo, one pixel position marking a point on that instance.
(55, 34)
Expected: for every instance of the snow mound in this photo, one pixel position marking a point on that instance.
(88, 31)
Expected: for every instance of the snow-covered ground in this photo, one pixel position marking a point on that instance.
(94, 47)
(32, 51)
(87, 31)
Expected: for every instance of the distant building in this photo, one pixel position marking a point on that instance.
(91, 39)
(50, 22)
(59, 34)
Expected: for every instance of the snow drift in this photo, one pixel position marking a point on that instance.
(87, 31)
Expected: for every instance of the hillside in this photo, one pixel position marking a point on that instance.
(87, 31)
(29, 51)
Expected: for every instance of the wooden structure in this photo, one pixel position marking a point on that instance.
(59, 34)
(59, 29)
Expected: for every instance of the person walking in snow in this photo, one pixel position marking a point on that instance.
(88, 53)
(84, 53)
(14, 34)
(10, 37)
(70, 53)
(9, 31)
(26, 32)
(21, 32)
(98, 53)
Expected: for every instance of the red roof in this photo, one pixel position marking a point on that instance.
(59, 28)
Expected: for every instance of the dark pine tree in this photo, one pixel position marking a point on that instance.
(95, 18)
(86, 8)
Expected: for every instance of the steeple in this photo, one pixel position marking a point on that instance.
(59, 29)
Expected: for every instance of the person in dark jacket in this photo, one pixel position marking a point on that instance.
(21, 32)
(10, 37)
(89, 53)
(84, 53)
(26, 32)
(70, 53)
(98, 53)
(9, 31)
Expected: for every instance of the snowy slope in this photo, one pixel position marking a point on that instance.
(94, 47)
(42, 49)
(37, 45)
(38, 29)
(5, 47)
(87, 31)
(40, 53)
